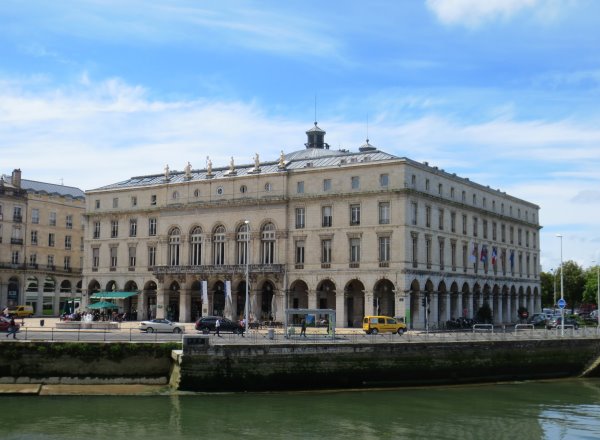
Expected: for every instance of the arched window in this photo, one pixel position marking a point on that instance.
(268, 243)
(174, 242)
(219, 245)
(196, 246)
(242, 239)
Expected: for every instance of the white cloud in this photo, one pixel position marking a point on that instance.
(473, 13)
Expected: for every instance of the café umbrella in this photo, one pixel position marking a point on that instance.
(103, 305)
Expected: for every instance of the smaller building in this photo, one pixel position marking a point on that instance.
(41, 244)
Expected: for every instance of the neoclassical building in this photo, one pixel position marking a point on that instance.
(41, 244)
(362, 232)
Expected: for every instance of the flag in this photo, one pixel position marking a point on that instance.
(205, 292)
(473, 257)
(512, 259)
(494, 255)
(484, 254)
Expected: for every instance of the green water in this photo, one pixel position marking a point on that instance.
(537, 410)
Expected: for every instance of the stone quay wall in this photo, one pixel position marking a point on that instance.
(312, 366)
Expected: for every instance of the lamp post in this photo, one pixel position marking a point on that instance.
(247, 223)
(562, 292)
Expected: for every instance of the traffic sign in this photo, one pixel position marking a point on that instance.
(561, 303)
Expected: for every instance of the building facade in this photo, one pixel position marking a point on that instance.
(41, 244)
(362, 232)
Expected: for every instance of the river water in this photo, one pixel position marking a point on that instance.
(565, 409)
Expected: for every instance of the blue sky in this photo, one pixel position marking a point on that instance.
(504, 92)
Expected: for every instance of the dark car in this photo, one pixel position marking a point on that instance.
(207, 324)
(538, 320)
(5, 323)
(557, 323)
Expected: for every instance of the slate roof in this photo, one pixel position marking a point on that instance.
(51, 188)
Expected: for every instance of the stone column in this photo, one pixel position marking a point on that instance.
(538, 304)
(507, 308)
(185, 304)
(469, 305)
(499, 315)
(39, 311)
(492, 305)
(369, 307)
(142, 307)
(515, 309)
(340, 309)
(458, 308)
(434, 297)
(448, 302)
(312, 299)
(531, 305)
(162, 299)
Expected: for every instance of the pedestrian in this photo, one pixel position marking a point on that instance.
(217, 326)
(12, 329)
(303, 328)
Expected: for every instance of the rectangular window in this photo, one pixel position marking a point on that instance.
(52, 219)
(114, 228)
(519, 235)
(97, 204)
(354, 215)
(441, 247)
(415, 250)
(51, 239)
(464, 196)
(428, 251)
(384, 249)
(300, 187)
(426, 184)
(327, 218)
(35, 216)
(326, 251)
(475, 226)
(355, 182)
(95, 258)
(14, 259)
(152, 227)
(453, 254)
(527, 238)
(33, 260)
(50, 261)
(465, 256)
(115, 202)
(326, 184)
(300, 218)
(151, 256)
(17, 217)
(132, 250)
(384, 213)
(34, 237)
(451, 192)
(441, 219)
(503, 232)
(96, 229)
(299, 255)
(133, 201)
(132, 227)
(413, 212)
(512, 235)
(113, 257)
(69, 222)
(67, 263)
(453, 221)
(384, 180)
(440, 189)
(534, 240)
(485, 228)
(494, 231)
(428, 216)
(354, 250)
(153, 199)
(68, 242)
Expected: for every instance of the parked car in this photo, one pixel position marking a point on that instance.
(21, 311)
(381, 324)
(538, 320)
(207, 324)
(162, 326)
(5, 323)
(556, 322)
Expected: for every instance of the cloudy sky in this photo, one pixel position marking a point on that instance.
(504, 92)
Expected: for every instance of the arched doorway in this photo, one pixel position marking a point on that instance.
(13, 292)
(196, 300)
(130, 305)
(218, 298)
(267, 293)
(354, 299)
(150, 300)
(172, 312)
(298, 299)
(415, 305)
(384, 298)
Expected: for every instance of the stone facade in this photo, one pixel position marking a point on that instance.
(361, 232)
(41, 244)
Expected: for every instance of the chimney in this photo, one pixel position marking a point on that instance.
(16, 178)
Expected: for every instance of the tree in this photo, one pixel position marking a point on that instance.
(590, 290)
(548, 285)
(574, 283)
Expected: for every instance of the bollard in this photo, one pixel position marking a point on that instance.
(41, 322)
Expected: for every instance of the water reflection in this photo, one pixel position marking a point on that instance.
(549, 410)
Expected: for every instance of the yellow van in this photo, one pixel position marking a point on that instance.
(21, 311)
(381, 324)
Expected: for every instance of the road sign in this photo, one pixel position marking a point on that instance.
(561, 303)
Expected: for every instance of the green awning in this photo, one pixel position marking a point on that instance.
(113, 295)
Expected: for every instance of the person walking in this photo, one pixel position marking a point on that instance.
(303, 328)
(12, 329)
(217, 327)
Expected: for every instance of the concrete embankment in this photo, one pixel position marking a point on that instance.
(150, 368)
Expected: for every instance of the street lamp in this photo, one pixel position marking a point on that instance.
(247, 223)
(562, 292)
(598, 297)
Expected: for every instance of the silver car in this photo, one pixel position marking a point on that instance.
(162, 326)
